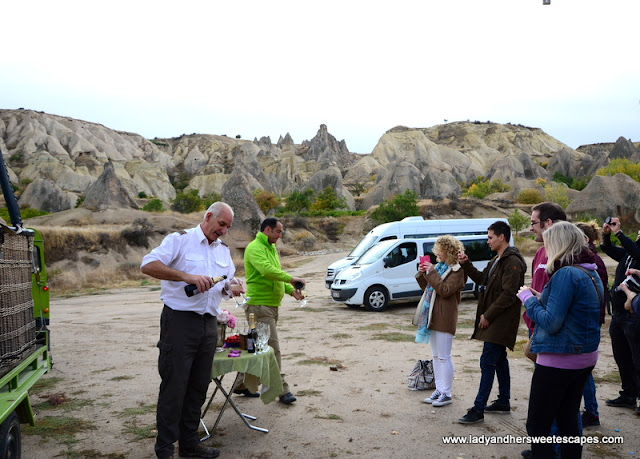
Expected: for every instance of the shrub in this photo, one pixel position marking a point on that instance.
(299, 200)
(187, 202)
(328, 200)
(517, 221)
(210, 199)
(266, 200)
(155, 205)
(529, 196)
(79, 201)
(138, 234)
(570, 181)
(557, 193)
(621, 166)
(142, 195)
(480, 188)
(332, 229)
(400, 206)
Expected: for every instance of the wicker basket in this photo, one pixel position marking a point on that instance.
(17, 324)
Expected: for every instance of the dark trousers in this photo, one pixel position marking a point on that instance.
(493, 363)
(187, 346)
(555, 394)
(625, 341)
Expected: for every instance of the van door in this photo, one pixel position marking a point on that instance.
(400, 270)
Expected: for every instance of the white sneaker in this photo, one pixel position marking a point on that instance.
(443, 400)
(435, 396)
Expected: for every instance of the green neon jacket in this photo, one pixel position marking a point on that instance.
(266, 281)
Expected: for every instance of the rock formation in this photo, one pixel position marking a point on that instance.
(607, 196)
(107, 192)
(45, 194)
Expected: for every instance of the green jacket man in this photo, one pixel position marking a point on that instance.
(266, 285)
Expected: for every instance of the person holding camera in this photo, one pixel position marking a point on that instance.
(625, 326)
(631, 288)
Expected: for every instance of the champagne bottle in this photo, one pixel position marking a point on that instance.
(192, 289)
(251, 334)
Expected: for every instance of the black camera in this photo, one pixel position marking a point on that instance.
(607, 220)
(633, 283)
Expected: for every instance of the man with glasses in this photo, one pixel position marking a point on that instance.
(543, 216)
(625, 325)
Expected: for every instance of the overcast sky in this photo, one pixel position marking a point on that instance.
(265, 68)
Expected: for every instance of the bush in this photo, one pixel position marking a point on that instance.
(400, 206)
(529, 196)
(481, 188)
(570, 181)
(328, 200)
(25, 213)
(332, 229)
(210, 199)
(187, 202)
(298, 201)
(266, 200)
(138, 234)
(557, 193)
(142, 195)
(517, 221)
(621, 166)
(155, 205)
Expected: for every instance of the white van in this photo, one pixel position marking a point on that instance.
(411, 227)
(386, 272)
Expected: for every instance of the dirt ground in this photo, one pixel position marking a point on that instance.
(105, 375)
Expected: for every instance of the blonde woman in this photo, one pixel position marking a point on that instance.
(442, 284)
(566, 336)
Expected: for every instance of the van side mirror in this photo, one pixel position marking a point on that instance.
(387, 261)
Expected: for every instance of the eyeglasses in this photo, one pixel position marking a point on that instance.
(535, 223)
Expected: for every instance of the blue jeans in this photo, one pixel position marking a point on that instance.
(589, 393)
(493, 362)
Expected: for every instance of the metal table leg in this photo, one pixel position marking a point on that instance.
(228, 401)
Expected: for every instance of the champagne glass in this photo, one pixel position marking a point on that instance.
(236, 287)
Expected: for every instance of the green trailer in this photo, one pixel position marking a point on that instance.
(24, 316)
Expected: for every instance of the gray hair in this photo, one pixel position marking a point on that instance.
(216, 208)
(563, 241)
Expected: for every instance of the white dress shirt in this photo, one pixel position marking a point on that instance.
(191, 253)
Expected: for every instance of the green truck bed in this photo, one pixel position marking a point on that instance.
(15, 385)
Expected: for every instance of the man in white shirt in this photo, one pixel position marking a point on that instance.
(188, 326)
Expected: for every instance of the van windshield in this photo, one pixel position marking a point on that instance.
(363, 246)
(375, 252)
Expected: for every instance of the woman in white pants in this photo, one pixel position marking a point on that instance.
(442, 284)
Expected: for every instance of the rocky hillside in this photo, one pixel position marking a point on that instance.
(61, 161)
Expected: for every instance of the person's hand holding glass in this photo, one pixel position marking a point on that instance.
(299, 294)
(235, 289)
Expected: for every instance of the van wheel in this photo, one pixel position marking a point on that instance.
(10, 446)
(376, 299)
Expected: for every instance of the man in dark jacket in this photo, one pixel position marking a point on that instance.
(625, 326)
(497, 318)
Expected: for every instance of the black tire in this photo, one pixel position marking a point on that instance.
(10, 440)
(376, 298)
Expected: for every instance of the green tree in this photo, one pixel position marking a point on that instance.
(187, 202)
(517, 221)
(400, 206)
(621, 166)
(557, 192)
(480, 188)
(299, 200)
(155, 205)
(327, 199)
(210, 199)
(266, 200)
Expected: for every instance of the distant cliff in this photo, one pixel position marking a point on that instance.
(62, 159)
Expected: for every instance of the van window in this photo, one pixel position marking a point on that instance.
(402, 254)
(478, 250)
(363, 246)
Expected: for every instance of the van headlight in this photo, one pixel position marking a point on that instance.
(353, 277)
